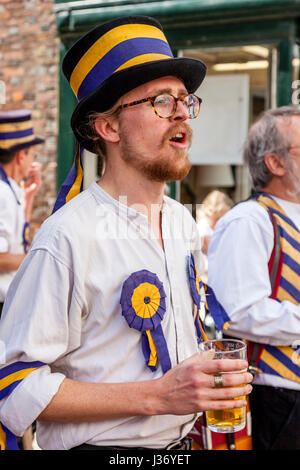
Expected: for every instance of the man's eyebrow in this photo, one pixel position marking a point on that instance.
(168, 90)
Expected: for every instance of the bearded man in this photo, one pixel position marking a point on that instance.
(109, 334)
(254, 269)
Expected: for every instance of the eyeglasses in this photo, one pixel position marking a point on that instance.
(165, 105)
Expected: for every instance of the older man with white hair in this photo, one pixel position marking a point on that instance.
(254, 269)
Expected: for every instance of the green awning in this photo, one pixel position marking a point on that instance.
(81, 14)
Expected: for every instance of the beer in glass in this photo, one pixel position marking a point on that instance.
(232, 420)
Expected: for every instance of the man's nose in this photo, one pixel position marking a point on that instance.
(181, 113)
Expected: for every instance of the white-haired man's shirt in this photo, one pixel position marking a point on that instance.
(238, 257)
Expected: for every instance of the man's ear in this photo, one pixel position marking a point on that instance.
(108, 129)
(275, 164)
(19, 156)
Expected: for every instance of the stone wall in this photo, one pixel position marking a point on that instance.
(29, 58)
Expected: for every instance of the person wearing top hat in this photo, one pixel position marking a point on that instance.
(107, 355)
(17, 154)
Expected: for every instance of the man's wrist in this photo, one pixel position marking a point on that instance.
(155, 402)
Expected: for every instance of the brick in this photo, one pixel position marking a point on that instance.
(17, 96)
(4, 15)
(12, 71)
(29, 66)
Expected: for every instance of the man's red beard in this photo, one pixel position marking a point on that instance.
(173, 168)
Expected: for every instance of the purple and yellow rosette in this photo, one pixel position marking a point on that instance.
(143, 306)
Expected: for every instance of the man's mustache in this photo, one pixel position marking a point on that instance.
(183, 127)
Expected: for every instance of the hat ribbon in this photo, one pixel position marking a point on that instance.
(73, 184)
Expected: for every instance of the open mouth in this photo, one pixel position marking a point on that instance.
(179, 139)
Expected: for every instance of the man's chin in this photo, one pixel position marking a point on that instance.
(178, 176)
(165, 174)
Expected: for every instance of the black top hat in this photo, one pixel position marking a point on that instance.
(115, 58)
(16, 131)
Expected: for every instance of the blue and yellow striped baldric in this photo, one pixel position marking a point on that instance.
(283, 361)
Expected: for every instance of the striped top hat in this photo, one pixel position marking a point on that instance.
(118, 56)
(16, 131)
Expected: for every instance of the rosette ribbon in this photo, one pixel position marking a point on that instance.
(216, 310)
(143, 306)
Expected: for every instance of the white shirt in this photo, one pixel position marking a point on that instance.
(72, 320)
(12, 221)
(205, 230)
(238, 258)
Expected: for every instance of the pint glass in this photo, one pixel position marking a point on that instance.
(232, 420)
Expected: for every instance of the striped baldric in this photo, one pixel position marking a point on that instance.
(283, 361)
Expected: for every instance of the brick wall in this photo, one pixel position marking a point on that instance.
(29, 69)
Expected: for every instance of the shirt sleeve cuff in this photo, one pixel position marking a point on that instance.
(21, 408)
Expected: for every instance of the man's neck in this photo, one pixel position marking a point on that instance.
(137, 192)
(280, 190)
(11, 171)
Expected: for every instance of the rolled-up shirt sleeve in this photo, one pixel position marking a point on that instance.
(41, 321)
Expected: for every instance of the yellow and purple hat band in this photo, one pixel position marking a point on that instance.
(16, 131)
(12, 134)
(122, 47)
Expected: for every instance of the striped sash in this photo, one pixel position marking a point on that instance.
(283, 361)
(10, 377)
